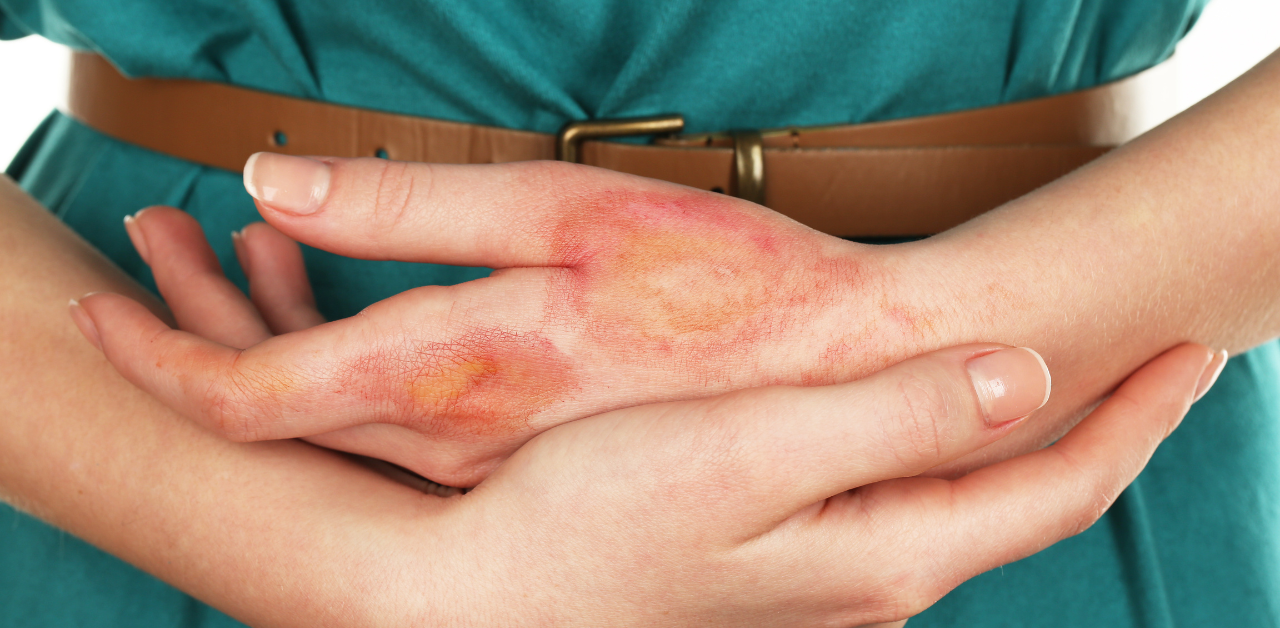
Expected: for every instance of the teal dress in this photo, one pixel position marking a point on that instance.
(1195, 541)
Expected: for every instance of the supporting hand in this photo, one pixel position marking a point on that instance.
(783, 506)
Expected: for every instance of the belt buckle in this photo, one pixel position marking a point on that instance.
(748, 150)
(569, 139)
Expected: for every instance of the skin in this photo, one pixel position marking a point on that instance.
(458, 379)
(206, 514)
(617, 291)
(586, 525)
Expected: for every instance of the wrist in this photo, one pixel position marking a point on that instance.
(902, 302)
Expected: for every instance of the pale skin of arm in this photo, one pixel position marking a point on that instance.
(623, 291)
(1174, 237)
(83, 449)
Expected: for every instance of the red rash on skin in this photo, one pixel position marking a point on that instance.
(841, 361)
(486, 383)
(690, 281)
(261, 384)
(857, 354)
(686, 282)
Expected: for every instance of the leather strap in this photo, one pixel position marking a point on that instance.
(913, 176)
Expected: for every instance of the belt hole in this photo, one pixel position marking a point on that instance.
(279, 138)
(381, 153)
(718, 190)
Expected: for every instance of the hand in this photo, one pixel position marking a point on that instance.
(617, 291)
(779, 506)
(622, 512)
(737, 498)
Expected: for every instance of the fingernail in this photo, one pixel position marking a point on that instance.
(136, 236)
(1011, 383)
(1210, 374)
(237, 242)
(294, 185)
(85, 323)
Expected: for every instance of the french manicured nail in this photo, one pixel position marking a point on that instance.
(1210, 374)
(237, 242)
(1011, 383)
(139, 239)
(85, 323)
(294, 185)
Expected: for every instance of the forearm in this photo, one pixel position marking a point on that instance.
(1173, 237)
(274, 533)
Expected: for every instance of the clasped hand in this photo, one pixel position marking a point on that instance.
(615, 292)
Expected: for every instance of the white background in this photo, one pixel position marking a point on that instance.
(1230, 37)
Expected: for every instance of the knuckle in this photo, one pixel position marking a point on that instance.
(924, 581)
(395, 193)
(226, 415)
(459, 470)
(567, 184)
(903, 589)
(552, 175)
(719, 446)
(920, 424)
(1097, 492)
(1163, 414)
(914, 603)
(1088, 514)
(1125, 403)
(230, 406)
(721, 443)
(913, 598)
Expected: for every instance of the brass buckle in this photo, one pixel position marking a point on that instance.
(748, 166)
(747, 180)
(569, 139)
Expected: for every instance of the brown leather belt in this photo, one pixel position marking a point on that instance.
(902, 177)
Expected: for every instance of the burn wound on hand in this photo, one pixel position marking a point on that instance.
(486, 383)
(688, 280)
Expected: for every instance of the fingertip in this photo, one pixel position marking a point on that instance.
(139, 217)
(242, 256)
(278, 281)
(98, 313)
(256, 230)
(1210, 374)
(84, 322)
(1062, 490)
(87, 298)
(269, 247)
(1191, 363)
(291, 185)
(250, 167)
(1048, 377)
(1010, 383)
(111, 311)
(137, 236)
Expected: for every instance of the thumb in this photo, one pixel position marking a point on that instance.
(797, 446)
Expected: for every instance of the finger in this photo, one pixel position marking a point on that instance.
(497, 215)
(400, 362)
(1005, 512)
(246, 402)
(278, 283)
(213, 384)
(188, 274)
(796, 446)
